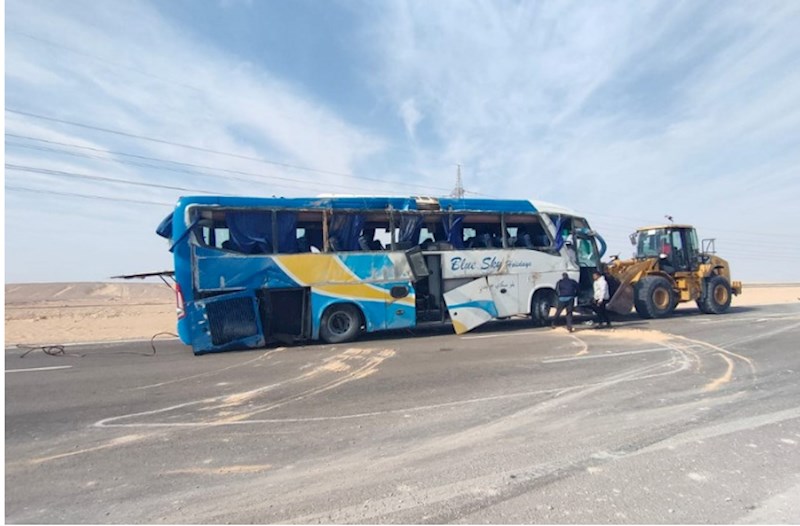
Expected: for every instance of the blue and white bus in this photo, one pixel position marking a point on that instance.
(250, 271)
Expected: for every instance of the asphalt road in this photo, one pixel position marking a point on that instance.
(693, 419)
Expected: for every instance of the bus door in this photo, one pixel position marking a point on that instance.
(588, 259)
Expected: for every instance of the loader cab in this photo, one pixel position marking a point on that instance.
(675, 246)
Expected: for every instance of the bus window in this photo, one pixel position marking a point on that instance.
(367, 241)
(212, 235)
(482, 231)
(527, 232)
(587, 253)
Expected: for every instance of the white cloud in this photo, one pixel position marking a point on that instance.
(122, 66)
(626, 110)
(623, 109)
(411, 117)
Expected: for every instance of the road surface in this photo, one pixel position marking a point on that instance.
(692, 419)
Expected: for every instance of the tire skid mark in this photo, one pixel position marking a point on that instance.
(222, 470)
(115, 442)
(491, 486)
(694, 351)
(370, 367)
(725, 378)
(761, 335)
(268, 354)
(349, 365)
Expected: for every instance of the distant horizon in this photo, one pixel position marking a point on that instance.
(154, 281)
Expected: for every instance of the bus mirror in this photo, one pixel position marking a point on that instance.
(399, 292)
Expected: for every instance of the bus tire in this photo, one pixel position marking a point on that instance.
(340, 323)
(716, 296)
(544, 300)
(654, 297)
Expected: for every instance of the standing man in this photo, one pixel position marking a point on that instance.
(601, 298)
(567, 290)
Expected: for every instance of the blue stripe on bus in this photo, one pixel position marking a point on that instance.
(484, 305)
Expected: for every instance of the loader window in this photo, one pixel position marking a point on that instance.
(651, 243)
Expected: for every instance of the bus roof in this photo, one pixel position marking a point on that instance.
(544, 206)
(366, 203)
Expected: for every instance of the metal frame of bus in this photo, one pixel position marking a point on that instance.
(231, 315)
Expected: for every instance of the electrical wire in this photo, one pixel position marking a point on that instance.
(209, 150)
(314, 184)
(87, 196)
(60, 173)
(50, 350)
(156, 335)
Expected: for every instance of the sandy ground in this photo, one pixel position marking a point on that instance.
(57, 313)
(54, 313)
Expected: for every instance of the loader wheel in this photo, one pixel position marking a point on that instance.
(542, 305)
(716, 296)
(654, 297)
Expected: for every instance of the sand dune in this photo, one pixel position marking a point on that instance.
(53, 313)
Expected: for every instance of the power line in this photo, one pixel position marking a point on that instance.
(87, 196)
(314, 184)
(208, 150)
(60, 173)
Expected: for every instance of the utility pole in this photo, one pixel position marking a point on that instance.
(458, 192)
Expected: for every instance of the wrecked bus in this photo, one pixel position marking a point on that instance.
(249, 271)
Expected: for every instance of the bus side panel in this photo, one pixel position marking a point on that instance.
(226, 322)
(217, 270)
(518, 268)
(378, 314)
(363, 279)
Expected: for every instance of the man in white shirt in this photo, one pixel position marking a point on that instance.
(601, 298)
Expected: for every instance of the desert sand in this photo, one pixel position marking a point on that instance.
(61, 313)
(58, 313)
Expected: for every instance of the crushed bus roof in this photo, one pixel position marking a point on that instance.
(517, 206)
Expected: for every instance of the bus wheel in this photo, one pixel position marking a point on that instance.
(542, 305)
(340, 323)
(717, 296)
(654, 297)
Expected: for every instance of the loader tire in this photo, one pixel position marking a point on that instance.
(654, 297)
(716, 296)
(542, 305)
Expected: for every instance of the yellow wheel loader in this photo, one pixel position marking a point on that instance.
(670, 268)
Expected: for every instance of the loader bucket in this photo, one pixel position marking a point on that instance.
(622, 300)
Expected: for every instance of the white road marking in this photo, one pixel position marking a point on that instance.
(55, 367)
(609, 355)
(501, 335)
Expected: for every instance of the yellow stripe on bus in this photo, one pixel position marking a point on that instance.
(310, 269)
(326, 273)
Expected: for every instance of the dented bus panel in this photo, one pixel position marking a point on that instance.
(251, 271)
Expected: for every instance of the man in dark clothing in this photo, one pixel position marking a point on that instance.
(567, 290)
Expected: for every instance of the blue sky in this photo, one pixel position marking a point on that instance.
(626, 111)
